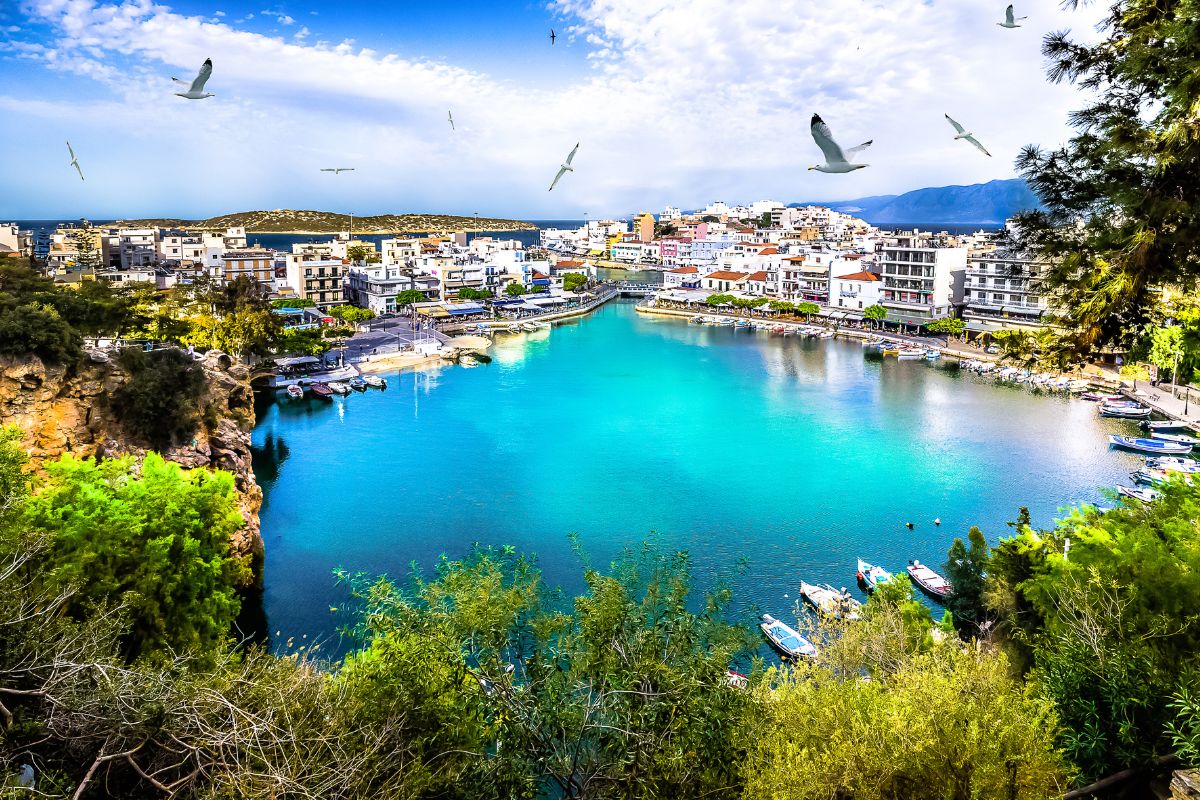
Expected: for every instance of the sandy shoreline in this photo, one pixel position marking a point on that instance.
(397, 361)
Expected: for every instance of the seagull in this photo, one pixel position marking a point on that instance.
(450, 117)
(74, 162)
(835, 159)
(970, 137)
(196, 89)
(1009, 20)
(565, 167)
(552, 36)
(337, 170)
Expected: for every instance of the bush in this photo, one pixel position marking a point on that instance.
(161, 401)
(38, 331)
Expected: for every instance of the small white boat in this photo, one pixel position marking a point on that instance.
(830, 601)
(826, 334)
(1145, 495)
(1149, 445)
(1153, 477)
(932, 355)
(1177, 438)
(871, 575)
(1124, 411)
(1172, 464)
(910, 354)
(934, 584)
(295, 392)
(786, 640)
(338, 387)
(1165, 425)
(375, 381)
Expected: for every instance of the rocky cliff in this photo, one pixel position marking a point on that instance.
(63, 410)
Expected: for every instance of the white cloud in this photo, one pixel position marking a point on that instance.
(302, 34)
(686, 102)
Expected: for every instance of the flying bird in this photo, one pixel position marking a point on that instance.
(835, 159)
(337, 170)
(565, 167)
(965, 136)
(196, 89)
(552, 37)
(74, 162)
(1009, 20)
(450, 117)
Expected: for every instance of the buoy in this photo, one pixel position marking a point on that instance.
(908, 525)
(937, 520)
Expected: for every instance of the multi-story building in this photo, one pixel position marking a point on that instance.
(705, 252)
(681, 278)
(317, 278)
(376, 286)
(72, 244)
(628, 252)
(14, 241)
(1001, 291)
(724, 281)
(258, 265)
(643, 226)
(923, 275)
(855, 292)
(125, 248)
(674, 251)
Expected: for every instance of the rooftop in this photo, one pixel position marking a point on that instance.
(859, 276)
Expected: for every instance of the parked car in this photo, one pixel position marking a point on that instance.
(993, 349)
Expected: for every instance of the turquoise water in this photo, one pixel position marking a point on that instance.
(797, 454)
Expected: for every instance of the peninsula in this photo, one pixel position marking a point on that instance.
(304, 222)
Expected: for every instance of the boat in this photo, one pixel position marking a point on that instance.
(295, 391)
(1149, 445)
(468, 360)
(871, 576)
(742, 323)
(890, 350)
(1177, 438)
(375, 381)
(826, 335)
(736, 679)
(786, 640)
(827, 600)
(357, 384)
(321, 390)
(930, 582)
(932, 355)
(1153, 477)
(1145, 495)
(1165, 425)
(1170, 464)
(337, 387)
(1100, 397)
(1124, 411)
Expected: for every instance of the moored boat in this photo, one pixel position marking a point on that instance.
(1172, 464)
(1100, 397)
(357, 384)
(1165, 425)
(1124, 411)
(786, 640)
(930, 582)
(1149, 445)
(295, 391)
(1145, 495)
(375, 381)
(321, 390)
(337, 387)
(1177, 438)
(871, 575)
(830, 601)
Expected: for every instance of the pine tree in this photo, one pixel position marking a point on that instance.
(1122, 211)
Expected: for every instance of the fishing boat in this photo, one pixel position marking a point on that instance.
(1152, 477)
(930, 582)
(295, 391)
(1124, 411)
(1171, 464)
(1165, 425)
(357, 384)
(1100, 397)
(910, 354)
(786, 640)
(742, 323)
(321, 390)
(374, 381)
(1145, 495)
(826, 334)
(871, 576)
(1177, 438)
(932, 355)
(830, 601)
(1149, 445)
(736, 679)
(337, 387)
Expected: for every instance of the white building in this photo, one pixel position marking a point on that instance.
(681, 278)
(376, 286)
(314, 277)
(1000, 291)
(855, 292)
(922, 274)
(670, 214)
(13, 240)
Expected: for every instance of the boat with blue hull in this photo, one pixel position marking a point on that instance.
(1158, 446)
(786, 640)
(870, 575)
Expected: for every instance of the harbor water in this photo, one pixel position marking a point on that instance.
(797, 455)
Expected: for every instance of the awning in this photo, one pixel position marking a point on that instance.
(529, 307)
(1021, 310)
(297, 361)
(436, 313)
(549, 300)
(459, 310)
(506, 301)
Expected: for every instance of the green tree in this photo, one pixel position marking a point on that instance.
(965, 568)
(764, 220)
(807, 309)
(303, 341)
(875, 313)
(951, 326)
(162, 399)
(1166, 349)
(469, 293)
(357, 254)
(719, 299)
(83, 241)
(351, 314)
(710, 218)
(662, 229)
(1121, 216)
(574, 281)
(408, 297)
(29, 330)
(782, 306)
(514, 289)
(153, 538)
(296, 302)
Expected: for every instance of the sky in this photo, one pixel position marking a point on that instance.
(677, 102)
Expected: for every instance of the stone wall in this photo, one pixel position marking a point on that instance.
(65, 410)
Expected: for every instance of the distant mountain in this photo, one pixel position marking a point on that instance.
(980, 204)
(288, 221)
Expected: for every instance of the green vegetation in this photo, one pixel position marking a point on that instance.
(782, 306)
(875, 313)
(807, 309)
(468, 293)
(299, 302)
(1122, 216)
(408, 297)
(514, 290)
(719, 299)
(948, 325)
(289, 221)
(749, 303)
(161, 401)
(351, 314)
(574, 281)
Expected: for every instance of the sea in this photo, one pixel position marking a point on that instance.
(770, 459)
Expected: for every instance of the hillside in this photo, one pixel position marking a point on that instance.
(289, 221)
(979, 204)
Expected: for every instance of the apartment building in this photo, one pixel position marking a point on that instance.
(316, 277)
(376, 286)
(923, 275)
(1001, 291)
(258, 265)
(855, 292)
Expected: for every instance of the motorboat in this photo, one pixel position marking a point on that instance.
(337, 387)
(832, 602)
(786, 640)
(1166, 425)
(930, 582)
(1157, 446)
(932, 355)
(910, 354)
(871, 575)
(374, 381)
(295, 391)
(1177, 438)
(1124, 411)
(1171, 464)
(1101, 397)
(357, 384)
(1145, 495)
(321, 390)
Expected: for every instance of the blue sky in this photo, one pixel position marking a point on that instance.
(672, 102)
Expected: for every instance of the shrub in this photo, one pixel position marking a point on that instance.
(162, 400)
